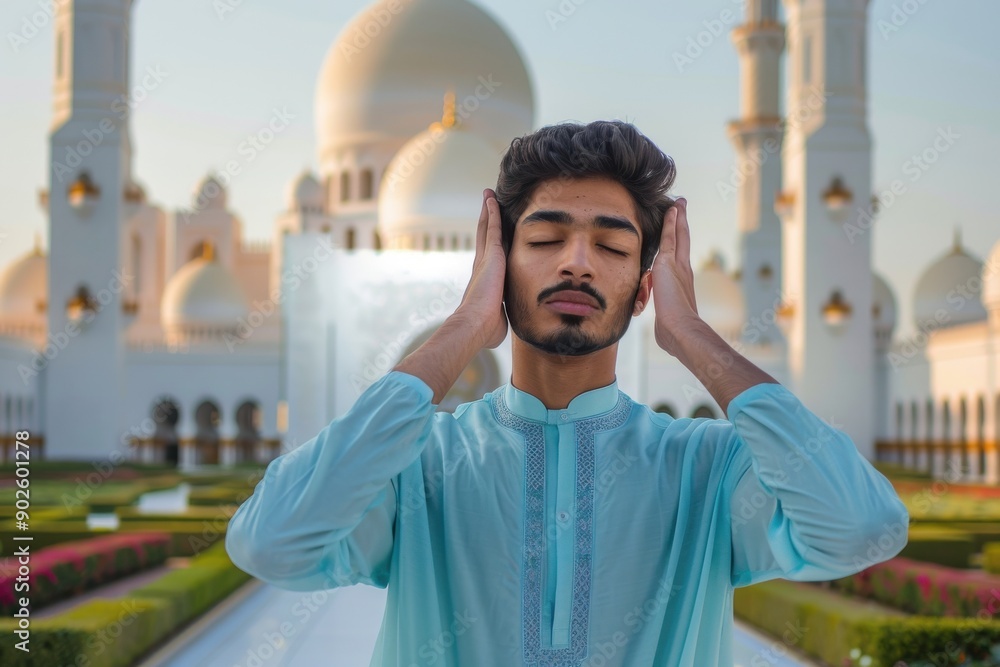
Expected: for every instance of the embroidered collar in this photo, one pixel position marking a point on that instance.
(586, 405)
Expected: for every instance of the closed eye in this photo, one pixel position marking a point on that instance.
(541, 243)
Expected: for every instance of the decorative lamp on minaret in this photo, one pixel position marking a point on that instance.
(826, 172)
(83, 194)
(89, 162)
(757, 138)
(836, 311)
(837, 198)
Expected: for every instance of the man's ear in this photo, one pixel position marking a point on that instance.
(645, 294)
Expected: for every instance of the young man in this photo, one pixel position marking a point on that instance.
(556, 522)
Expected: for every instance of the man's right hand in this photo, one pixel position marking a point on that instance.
(478, 322)
(482, 304)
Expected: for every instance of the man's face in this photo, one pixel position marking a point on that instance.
(577, 241)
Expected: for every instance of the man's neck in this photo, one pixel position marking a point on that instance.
(555, 379)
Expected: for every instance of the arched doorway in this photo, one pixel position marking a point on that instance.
(248, 418)
(207, 418)
(665, 408)
(166, 415)
(703, 411)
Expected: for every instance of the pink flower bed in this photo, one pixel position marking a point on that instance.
(927, 589)
(64, 569)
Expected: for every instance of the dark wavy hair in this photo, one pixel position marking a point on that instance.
(609, 148)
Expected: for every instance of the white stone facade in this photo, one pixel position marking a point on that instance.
(167, 336)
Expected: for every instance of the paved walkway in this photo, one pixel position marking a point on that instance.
(263, 626)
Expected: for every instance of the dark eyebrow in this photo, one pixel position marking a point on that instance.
(564, 218)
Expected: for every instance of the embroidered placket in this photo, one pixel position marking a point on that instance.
(533, 554)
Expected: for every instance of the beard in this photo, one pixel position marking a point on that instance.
(570, 339)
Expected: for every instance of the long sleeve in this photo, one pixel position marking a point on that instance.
(805, 504)
(323, 514)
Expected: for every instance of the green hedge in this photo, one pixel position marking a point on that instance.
(831, 622)
(191, 591)
(187, 537)
(920, 641)
(115, 633)
(197, 514)
(896, 471)
(49, 534)
(219, 495)
(981, 532)
(831, 626)
(99, 633)
(944, 546)
(991, 557)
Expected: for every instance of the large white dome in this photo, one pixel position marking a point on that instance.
(938, 291)
(384, 77)
(203, 297)
(719, 298)
(434, 187)
(24, 286)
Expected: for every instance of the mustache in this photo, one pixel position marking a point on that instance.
(568, 285)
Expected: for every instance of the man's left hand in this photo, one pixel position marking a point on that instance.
(673, 281)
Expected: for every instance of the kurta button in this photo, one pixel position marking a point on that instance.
(563, 516)
(564, 416)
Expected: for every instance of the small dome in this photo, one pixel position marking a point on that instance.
(937, 286)
(991, 281)
(204, 294)
(305, 192)
(24, 286)
(383, 77)
(719, 298)
(434, 186)
(883, 306)
(210, 194)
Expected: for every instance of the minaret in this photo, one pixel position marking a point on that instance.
(757, 137)
(826, 210)
(89, 169)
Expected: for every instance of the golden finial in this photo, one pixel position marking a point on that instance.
(956, 244)
(208, 250)
(448, 119)
(38, 243)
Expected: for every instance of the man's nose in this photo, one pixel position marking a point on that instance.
(575, 260)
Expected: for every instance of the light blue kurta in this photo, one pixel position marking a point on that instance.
(603, 534)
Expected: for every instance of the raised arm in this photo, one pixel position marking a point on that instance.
(323, 515)
(804, 503)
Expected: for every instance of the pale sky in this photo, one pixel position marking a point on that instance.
(224, 75)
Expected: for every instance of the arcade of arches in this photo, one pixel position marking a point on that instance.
(951, 438)
(206, 445)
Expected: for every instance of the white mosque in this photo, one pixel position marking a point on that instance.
(164, 336)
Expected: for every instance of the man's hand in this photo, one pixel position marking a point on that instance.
(673, 281)
(478, 322)
(482, 303)
(680, 330)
